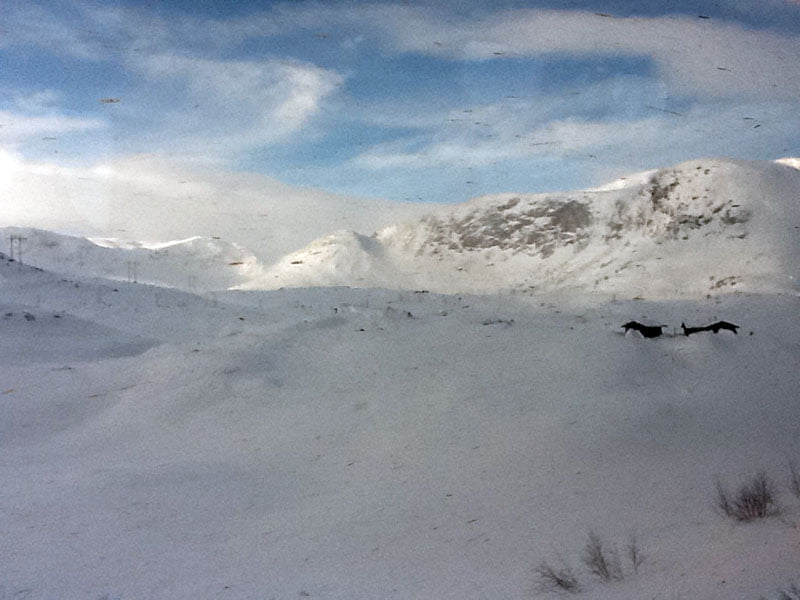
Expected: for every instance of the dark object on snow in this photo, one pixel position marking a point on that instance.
(648, 331)
(715, 327)
(687, 331)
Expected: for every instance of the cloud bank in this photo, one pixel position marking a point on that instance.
(148, 198)
(401, 100)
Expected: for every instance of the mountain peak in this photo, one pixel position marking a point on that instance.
(702, 227)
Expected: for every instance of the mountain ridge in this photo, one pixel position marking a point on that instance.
(702, 227)
(196, 263)
(699, 228)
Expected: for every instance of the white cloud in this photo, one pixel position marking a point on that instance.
(189, 101)
(16, 128)
(37, 102)
(192, 100)
(152, 198)
(36, 114)
(237, 105)
(29, 23)
(693, 55)
(705, 55)
(513, 128)
(88, 31)
(528, 131)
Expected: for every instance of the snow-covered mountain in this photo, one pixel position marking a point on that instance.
(197, 263)
(347, 443)
(701, 227)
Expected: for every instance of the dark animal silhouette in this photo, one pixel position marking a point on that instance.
(690, 330)
(648, 331)
(715, 327)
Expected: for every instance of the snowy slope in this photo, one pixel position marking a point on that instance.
(701, 227)
(149, 313)
(196, 263)
(341, 258)
(790, 161)
(362, 443)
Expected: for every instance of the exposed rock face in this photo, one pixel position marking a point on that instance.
(668, 211)
(533, 227)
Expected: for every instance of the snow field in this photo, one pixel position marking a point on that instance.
(333, 446)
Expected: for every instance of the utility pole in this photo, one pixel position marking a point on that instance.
(19, 239)
(132, 271)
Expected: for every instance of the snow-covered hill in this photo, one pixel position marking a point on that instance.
(197, 263)
(355, 444)
(701, 227)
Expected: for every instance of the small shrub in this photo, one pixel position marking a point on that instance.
(635, 554)
(754, 500)
(603, 563)
(553, 579)
(794, 479)
(790, 593)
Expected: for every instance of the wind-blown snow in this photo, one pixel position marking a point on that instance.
(790, 161)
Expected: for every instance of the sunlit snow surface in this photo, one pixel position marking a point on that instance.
(342, 443)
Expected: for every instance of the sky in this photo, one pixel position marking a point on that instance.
(431, 101)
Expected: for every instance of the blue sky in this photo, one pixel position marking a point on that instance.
(402, 100)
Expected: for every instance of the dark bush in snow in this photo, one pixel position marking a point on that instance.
(790, 593)
(635, 554)
(602, 562)
(753, 500)
(794, 479)
(554, 579)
